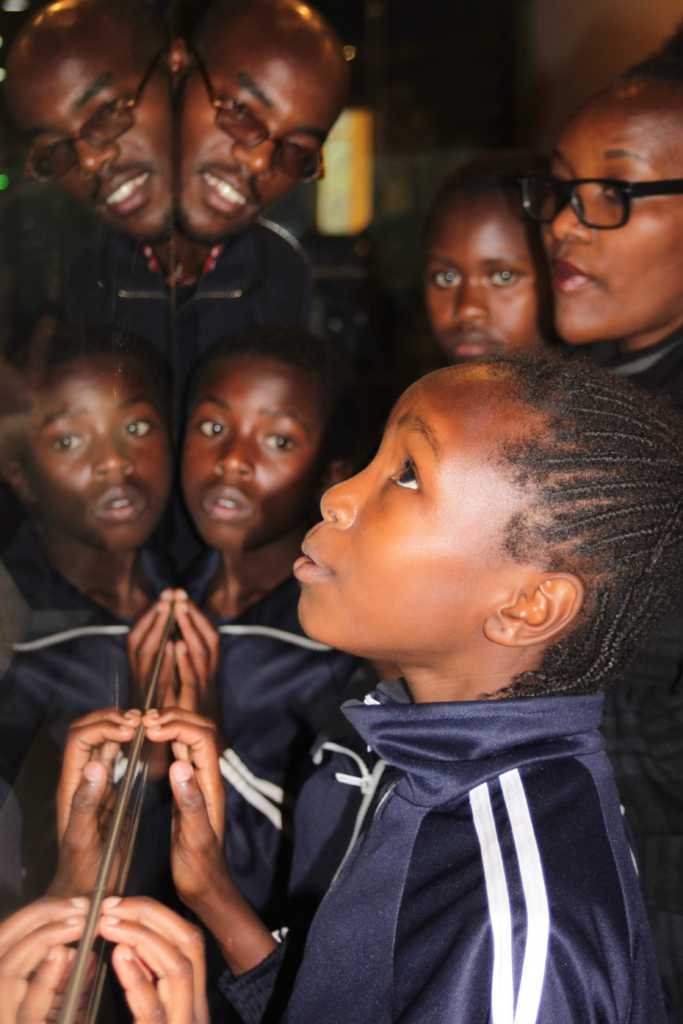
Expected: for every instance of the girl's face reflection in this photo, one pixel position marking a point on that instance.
(96, 464)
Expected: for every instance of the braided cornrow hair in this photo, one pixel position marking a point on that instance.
(609, 473)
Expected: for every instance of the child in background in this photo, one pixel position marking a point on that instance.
(90, 460)
(486, 288)
(272, 422)
(509, 547)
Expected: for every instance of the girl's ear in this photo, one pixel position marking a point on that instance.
(334, 472)
(539, 614)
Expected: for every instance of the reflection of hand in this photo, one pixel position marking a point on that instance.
(144, 641)
(34, 958)
(197, 859)
(85, 796)
(196, 656)
(189, 663)
(197, 843)
(159, 961)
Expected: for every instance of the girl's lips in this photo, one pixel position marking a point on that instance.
(568, 278)
(308, 571)
(227, 504)
(120, 505)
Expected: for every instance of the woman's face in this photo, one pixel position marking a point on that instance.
(624, 284)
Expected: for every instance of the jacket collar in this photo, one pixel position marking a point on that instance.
(445, 749)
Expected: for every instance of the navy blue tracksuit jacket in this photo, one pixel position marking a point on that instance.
(277, 689)
(61, 657)
(492, 884)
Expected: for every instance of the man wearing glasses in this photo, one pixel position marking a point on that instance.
(89, 81)
(87, 84)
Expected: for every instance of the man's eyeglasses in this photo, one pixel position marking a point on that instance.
(597, 202)
(45, 162)
(237, 121)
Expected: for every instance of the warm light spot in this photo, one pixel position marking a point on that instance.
(3, 74)
(349, 52)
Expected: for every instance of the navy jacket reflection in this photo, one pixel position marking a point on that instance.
(276, 691)
(493, 884)
(61, 657)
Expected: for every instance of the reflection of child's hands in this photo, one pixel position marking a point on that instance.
(144, 641)
(35, 960)
(189, 663)
(85, 795)
(159, 961)
(197, 856)
(196, 656)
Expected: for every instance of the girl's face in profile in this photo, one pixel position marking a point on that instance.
(481, 281)
(622, 284)
(409, 560)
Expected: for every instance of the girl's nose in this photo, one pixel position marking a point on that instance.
(234, 461)
(340, 504)
(113, 463)
(470, 302)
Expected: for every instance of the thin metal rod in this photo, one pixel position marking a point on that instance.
(128, 844)
(108, 862)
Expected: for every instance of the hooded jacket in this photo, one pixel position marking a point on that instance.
(493, 884)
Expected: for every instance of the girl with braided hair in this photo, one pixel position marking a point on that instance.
(510, 545)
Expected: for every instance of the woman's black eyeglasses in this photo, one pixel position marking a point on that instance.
(603, 203)
(45, 162)
(237, 121)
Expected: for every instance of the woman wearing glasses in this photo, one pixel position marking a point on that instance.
(612, 212)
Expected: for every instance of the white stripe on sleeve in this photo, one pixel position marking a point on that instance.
(502, 992)
(535, 897)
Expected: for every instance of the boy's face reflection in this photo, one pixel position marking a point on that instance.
(97, 466)
(70, 104)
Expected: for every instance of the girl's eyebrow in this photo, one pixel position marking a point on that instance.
(57, 414)
(415, 423)
(619, 154)
(140, 399)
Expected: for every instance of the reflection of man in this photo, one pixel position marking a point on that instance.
(258, 98)
(86, 80)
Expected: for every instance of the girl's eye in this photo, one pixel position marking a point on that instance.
(138, 428)
(407, 476)
(445, 278)
(280, 443)
(501, 278)
(67, 442)
(209, 428)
